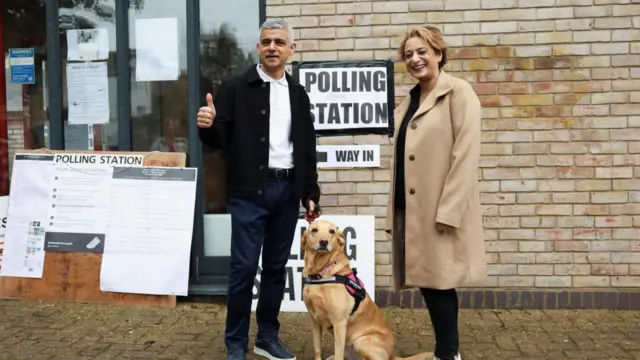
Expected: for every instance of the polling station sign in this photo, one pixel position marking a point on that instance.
(349, 97)
(348, 156)
(359, 232)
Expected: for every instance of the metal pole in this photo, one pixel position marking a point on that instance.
(195, 147)
(123, 54)
(54, 77)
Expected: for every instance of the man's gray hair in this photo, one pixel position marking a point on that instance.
(279, 24)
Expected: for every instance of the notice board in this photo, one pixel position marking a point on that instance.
(75, 277)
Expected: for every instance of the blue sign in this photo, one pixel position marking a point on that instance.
(22, 66)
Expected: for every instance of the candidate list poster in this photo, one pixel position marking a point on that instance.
(359, 232)
(348, 99)
(79, 200)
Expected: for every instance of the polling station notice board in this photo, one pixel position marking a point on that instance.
(75, 276)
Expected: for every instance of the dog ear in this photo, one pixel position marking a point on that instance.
(341, 239)
(303, 240)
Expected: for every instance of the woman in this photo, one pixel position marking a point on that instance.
(434, 214)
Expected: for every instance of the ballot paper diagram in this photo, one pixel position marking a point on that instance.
(95, 242)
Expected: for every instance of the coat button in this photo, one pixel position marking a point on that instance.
(264, 85)
(412, 191)
(259, 192)
(263, 139)
(413, 126)
(411, 157)
(261, 167)
(263, 112)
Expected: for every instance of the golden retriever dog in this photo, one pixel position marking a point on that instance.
(336, 299)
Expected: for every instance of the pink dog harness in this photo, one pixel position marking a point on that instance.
(355, 286)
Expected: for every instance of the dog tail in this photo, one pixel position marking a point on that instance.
(421, 356)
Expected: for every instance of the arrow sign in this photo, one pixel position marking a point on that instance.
(348, 156)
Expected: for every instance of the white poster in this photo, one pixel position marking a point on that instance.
(348, 156)
(79, 205)
(88, 93)
(149, 231)
(87, 44)
(359, 233)
(4, 208)
(23, 254)
(157, 49)
(344, 98)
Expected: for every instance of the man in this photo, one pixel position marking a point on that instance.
(262, 122)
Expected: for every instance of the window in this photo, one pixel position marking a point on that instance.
(159, 96)
(229, 31)
(24, 119)
(88, 52)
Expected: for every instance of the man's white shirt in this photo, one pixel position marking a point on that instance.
(280, 146)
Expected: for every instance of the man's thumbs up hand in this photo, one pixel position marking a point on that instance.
(207, 114)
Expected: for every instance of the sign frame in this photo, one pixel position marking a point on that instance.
(388, 64)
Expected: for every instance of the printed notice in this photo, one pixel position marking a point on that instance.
(14, 97)
(344, 98)
(87, 44)
(4, 207)
(22, 66)
(149, 231)
(88, 93)
(78, 137)
(348, 156)
(79, 200)
(157, 49)
(23, 254)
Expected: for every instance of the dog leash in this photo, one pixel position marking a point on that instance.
(313, 216)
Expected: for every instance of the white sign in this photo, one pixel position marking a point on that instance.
(348, 156)
(359, 231)
(79, 205)
(88, 93)
(348, 97)
(23, 254)
(4, 208)
(157, 49)
(87, 44)
(149, 232)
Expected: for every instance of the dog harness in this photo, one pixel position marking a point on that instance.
(354, 286)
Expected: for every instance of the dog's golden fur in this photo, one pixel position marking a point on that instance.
(330, 305)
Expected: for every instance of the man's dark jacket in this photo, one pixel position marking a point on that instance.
(241, 131)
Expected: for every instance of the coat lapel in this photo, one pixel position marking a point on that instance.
(443, 86)
(399, 114)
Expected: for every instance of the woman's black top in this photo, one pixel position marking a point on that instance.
(400, 144)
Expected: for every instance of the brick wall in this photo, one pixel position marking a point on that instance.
(560, 85)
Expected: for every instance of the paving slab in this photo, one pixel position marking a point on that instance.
(46, 331)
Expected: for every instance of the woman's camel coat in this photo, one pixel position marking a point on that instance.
(442, 155)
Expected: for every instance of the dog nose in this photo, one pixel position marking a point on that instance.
(324, 242)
